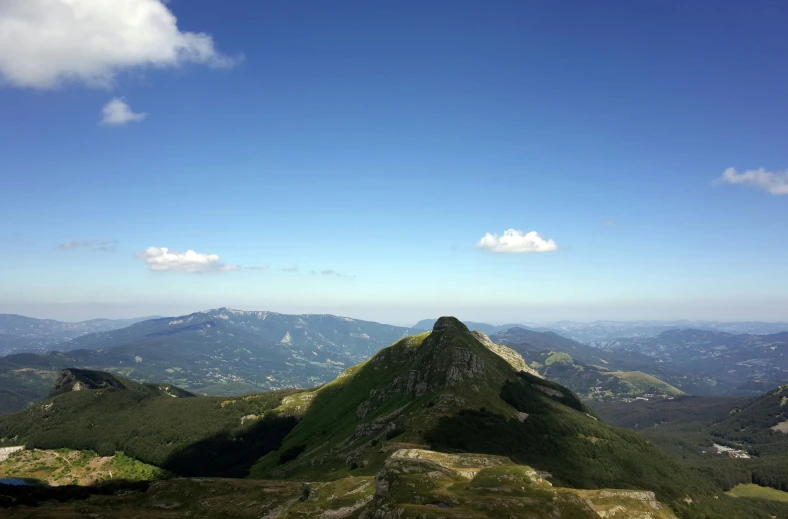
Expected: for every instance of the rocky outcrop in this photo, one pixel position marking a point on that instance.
(447, 323)
(415, 480)
(6, 452)
(506, 353)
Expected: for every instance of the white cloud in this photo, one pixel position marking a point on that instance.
(44, 43)
(516, 241)
(774, 182)
(163, 259)
(118, 113)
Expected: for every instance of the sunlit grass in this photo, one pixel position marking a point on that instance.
(750, 490)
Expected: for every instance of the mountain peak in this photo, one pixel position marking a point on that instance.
(447, 322)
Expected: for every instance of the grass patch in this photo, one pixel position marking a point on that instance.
(759, 492)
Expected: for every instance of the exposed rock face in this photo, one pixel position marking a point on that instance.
(67, 380)
(781, 427)
(5, 452)
(363, 409)
(506, 353)
(464, 365)
(636, 504)
(449, 366)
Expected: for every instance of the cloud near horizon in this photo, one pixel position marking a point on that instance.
(514, 241)
(330, 272)
(118, 113)
(45, 43)
(774, 182)
(96, 245)
(160, 259)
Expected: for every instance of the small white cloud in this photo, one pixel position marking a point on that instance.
(118, 113)
(516, 241)
(96, 245)
(290, 269)
(44, 43)
(161, 259)
(774, 182)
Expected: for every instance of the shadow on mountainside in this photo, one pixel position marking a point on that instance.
(231, 454)
(35, 495)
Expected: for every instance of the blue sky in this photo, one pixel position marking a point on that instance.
(372, 145)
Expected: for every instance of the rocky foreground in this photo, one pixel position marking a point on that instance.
(413, 483)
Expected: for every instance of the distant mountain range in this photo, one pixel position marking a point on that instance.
(20, 334)
(221, 351)
(748, 363)
(231, 352)
(600, 331)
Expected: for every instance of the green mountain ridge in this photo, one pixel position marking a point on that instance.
(437, 424)
(82, 379)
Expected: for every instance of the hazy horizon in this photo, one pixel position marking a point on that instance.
(396, 316)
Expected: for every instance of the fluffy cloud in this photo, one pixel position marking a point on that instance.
(118, 113)
(96, 245)
(774, 182)
(44, 43)
(516, 241)
(163, 259)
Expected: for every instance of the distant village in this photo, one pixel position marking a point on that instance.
(732, 453)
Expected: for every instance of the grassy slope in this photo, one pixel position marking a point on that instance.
(756, 491)
(160, 430)
(70, 467)
(643, 382)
